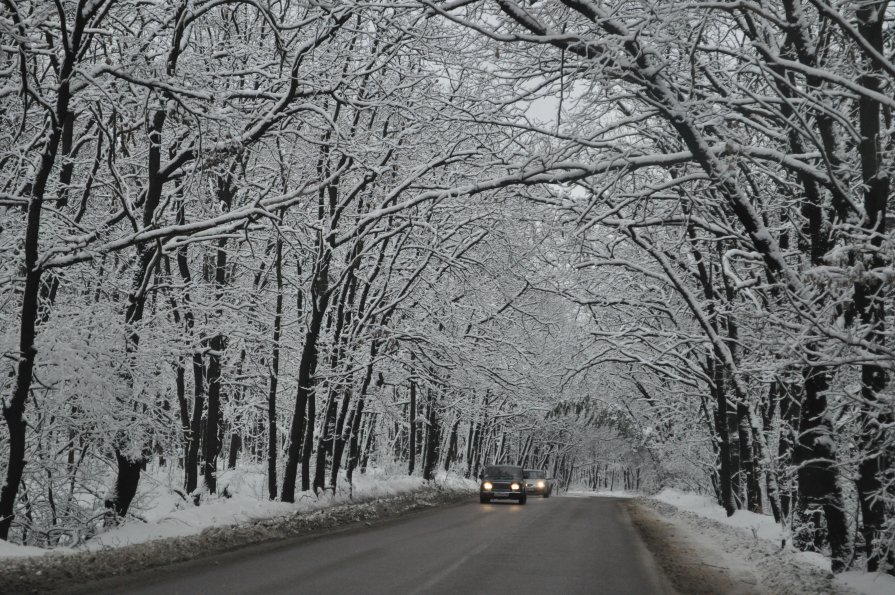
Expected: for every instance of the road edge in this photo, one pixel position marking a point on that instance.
(701, 555)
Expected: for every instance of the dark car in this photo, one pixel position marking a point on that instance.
(502, 482)
(537, 483)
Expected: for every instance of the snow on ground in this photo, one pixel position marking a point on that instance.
(169, 515)
(585, 493)
(58, 571)
(164, 513)
(762, 527)
(11, 550)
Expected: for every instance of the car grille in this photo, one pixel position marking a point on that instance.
(501, 486)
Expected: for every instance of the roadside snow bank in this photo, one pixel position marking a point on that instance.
(573, 493)
(11, 550)
(169, 515)
(758, 539)
(210, 533)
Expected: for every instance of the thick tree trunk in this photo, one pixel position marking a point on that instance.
(815, 458)
(433, 440)
(234, 449)
(126, 482)
(325, 442)
(301, 437)
(870, 296)
(272, 444)
(191, 465)
(718, 389)
(452, 446)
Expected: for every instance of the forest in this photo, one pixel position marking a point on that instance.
(637, 243)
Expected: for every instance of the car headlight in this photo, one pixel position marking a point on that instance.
(487, 486)
(514, 486)
(541, 484)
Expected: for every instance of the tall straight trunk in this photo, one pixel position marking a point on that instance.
(470, 437)
(478, 450)
(343, 434)
(308, 444)
(301, 437)
(368, 444)
(870, 296)
(412, 432)
(190, 424)
(191, 465)
(274, 377)
(325, 441)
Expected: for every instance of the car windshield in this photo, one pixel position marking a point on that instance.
(535, 474)
(502, 472)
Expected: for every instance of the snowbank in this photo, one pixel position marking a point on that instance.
(171, 516)
(11, 550)
(573, 493)
(164, 513)
(137, 546)
(757, 536)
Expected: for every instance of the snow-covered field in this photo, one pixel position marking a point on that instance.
(757, 536)
(163, 513)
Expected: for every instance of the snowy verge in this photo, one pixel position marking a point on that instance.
(59, 570)
(582, 493)
(755, 540)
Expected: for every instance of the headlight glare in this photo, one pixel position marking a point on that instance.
(514, 486)
(541, 484)
(487, 486)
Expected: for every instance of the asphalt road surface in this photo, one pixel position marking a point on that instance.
(557, 545)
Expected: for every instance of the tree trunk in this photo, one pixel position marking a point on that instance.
(301, 438)
(14, 411)
(870, 296)
(126, 482)
(274, 377)
(747, 459)
(815, 458)
(452, 446)
(233, 451)
(210, 446)
(191, 465)
(433, 440)
(411, 451)
(325, 442)
(724, 469)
